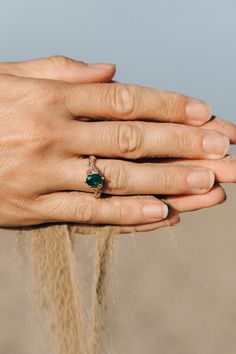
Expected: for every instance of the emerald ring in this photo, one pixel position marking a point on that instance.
(95, 179)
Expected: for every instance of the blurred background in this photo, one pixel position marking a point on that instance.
(172, 291)
(186, 46)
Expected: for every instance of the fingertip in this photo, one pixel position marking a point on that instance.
(186, 203)
(102, 66)
(201, 180)
(198, 112)
(212, 179)
(220, 194)
(222, 126)
(156, 211)
(172, 219)
(81, 72)
(100, 72)
(106, 70)
(216, 145)
(165, 211)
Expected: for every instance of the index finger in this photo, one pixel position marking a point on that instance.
(130, 102)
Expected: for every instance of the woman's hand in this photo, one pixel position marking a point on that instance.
(42, 139)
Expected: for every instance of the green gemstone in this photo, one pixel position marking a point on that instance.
(94, 180)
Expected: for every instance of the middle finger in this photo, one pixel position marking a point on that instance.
(133, 140)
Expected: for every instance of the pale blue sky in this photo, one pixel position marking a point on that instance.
(187, 46)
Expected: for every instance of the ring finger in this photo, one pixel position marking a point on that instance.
(127, 178)
(133, 140)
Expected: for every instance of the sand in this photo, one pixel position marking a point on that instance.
(171, 290)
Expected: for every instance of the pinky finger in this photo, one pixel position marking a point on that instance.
(171, 220)
(80, 207)
(181, 204)
(196, 202)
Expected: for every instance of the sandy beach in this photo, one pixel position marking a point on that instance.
(172, 291)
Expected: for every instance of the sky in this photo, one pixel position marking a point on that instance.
(185, 46)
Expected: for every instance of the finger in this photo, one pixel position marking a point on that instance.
(171, 220)
(60, 68)
(196, 202)
(127, 178)
(130, 102)
(182, 204)
(222, 126)
(224, 169)
(84, 208)
(135, 140)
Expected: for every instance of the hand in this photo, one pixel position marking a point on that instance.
(36, 146)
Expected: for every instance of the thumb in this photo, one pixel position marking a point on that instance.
(60, 68)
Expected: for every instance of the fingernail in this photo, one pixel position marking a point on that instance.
(201, 179)
(216, 145)
(198, 111)
(155, 211)
(101, 66)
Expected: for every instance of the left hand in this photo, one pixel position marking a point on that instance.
(78, 72)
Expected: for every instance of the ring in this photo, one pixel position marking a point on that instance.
(95, 179)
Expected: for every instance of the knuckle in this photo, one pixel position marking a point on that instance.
(121, 212)
(122, 100)
(60, 61)
(41, 137)
(130, 139)
(116, 177)
(42, 141)
(40, 131)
